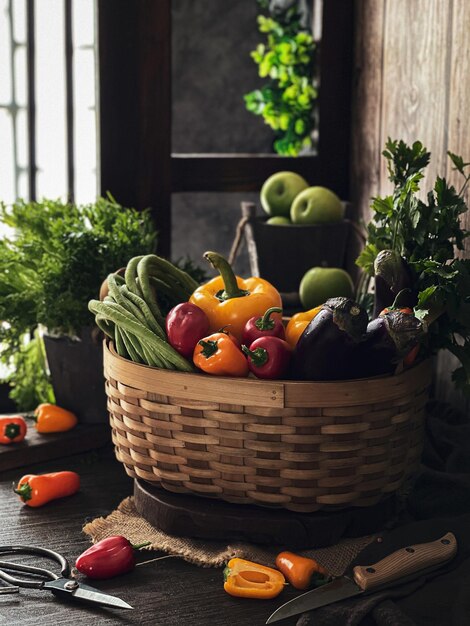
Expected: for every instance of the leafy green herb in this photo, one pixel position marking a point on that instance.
(52, 262)
(426, 234)
(286, 100)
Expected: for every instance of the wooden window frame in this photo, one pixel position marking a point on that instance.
(136, 162)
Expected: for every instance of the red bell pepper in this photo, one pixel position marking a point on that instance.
(268, 357)
(12, 429)
(109, 557)
(186, 323)
(265, 326)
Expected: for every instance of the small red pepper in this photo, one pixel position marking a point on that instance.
(268, 357)
(265, 326)
(109, 557)
(12, 429)
(186, 323)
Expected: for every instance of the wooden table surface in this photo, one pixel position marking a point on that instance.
(170, 592)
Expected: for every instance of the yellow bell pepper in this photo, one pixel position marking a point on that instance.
(245, 579)
(298, 323)
(231, 301)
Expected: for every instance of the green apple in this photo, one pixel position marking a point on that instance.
(321, 283)
(279, 191)
(316, 205)
(278, 220)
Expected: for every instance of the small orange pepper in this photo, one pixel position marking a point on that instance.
(50, 418)
(245, 579)
(299, 570)
(36, 490)
(298, 323)
(12, 429)
(218, 354)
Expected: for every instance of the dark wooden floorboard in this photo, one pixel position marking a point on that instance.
(170, 592)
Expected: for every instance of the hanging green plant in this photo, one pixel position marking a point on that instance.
(286, 101)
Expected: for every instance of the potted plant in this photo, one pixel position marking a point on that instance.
(53, 257)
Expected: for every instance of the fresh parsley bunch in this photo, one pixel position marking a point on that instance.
(427, 233)
(53, 259)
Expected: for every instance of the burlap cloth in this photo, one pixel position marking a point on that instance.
(126, 521)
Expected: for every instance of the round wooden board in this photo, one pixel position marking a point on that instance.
(204, 518)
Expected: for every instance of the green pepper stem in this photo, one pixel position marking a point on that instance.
(259, 356)
(398, 298)
(231, 288)
(265, 322)
(137, 546)
(12, 431)
(24, 491)
(208, 347)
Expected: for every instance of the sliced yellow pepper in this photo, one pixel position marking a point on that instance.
(231, 301)
(298, 323)
(245, 579)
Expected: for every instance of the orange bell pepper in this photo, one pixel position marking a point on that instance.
(231, 300)
(218, 354)
(50, 418)
(12, 429)
(245, 579)
(298, 323)
(38, 490)
(299, 570)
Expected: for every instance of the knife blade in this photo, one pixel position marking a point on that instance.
(402, 565)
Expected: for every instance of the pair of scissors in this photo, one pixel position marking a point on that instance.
(62, 585)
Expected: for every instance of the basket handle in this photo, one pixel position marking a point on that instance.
(248, 213)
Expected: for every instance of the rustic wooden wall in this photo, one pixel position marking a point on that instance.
(411, 81)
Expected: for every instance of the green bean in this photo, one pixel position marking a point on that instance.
(122, 318)
(131, 273)
(134, 347)
(147, 291)
(146, 312)
(120, 346)
(182, 277)
(174, 292)
(152, 358)
(117, 293)
(105, 326)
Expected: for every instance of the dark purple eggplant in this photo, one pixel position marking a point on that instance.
(325, 348)
(392, 276)
(388, 339)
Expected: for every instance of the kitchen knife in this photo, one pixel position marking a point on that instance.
(398, 567)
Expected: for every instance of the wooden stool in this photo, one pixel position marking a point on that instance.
(206, 518)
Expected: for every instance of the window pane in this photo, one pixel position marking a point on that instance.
(50, 100)
(84, 101)
(212, 70)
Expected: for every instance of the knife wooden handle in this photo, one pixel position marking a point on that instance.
(406, 561)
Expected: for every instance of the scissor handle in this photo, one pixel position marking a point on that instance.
(29, 569)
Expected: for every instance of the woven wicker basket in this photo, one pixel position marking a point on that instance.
(298, 445)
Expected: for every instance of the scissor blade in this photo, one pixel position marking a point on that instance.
(85, 593)
(338, 589)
